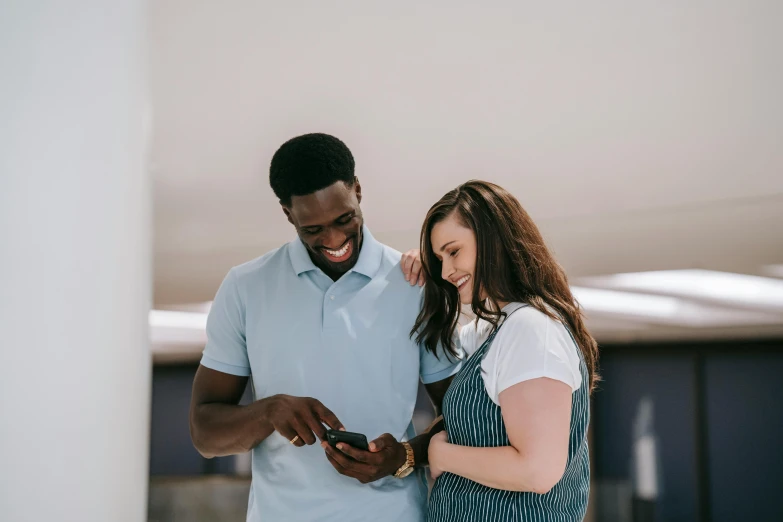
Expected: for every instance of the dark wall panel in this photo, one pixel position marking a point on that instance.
(171, 450)
(744, 399)
(669, 381)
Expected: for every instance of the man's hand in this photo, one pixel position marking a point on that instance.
(302, 416)
(385, 457)
(411, 267)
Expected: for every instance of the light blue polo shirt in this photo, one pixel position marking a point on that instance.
(282, 320)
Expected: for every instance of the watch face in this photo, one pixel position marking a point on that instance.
(406, 472)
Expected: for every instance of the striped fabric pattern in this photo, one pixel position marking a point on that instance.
(472, 419)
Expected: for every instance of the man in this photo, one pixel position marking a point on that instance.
(323, 326)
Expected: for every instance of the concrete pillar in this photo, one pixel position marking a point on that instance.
(75, 279)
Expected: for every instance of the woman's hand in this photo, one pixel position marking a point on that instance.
(437, 443)
(411, 267)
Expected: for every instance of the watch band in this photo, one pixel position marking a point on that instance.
(409, 462)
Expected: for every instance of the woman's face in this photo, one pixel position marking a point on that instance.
(455, 246)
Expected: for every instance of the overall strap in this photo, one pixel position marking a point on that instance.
(495, 331)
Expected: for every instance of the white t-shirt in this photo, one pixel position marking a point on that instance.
(528, 346)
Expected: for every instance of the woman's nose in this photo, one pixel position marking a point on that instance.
(446, 270)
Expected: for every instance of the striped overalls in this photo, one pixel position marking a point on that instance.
(472, 419)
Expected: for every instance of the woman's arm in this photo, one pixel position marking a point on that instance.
(537, 415)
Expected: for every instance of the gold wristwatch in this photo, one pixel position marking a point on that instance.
(407, 468)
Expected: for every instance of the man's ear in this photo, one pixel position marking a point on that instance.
(357, 187)
(287, 213)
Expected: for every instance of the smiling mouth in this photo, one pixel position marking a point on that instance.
(460, 284)
(340, 255)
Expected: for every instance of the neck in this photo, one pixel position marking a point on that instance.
(491, 304)
(326, 269)
(334, 276)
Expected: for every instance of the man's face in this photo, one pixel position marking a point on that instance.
(329, 222)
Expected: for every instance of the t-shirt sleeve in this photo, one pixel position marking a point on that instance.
(434, 368)
(532, 345)
(226, 349)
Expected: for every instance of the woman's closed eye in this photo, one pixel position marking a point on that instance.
(454, 253)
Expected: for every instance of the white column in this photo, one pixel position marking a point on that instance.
(74, 261)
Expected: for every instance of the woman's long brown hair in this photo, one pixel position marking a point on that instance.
(512, 265)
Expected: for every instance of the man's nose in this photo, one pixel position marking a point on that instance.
(334, 239)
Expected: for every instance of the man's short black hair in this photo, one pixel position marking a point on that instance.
(309, 163)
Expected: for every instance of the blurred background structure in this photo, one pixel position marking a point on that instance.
(645, 139)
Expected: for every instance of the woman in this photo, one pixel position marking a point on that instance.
(516, 415)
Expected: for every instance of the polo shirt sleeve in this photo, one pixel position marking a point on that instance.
(434, 368)
(226, 349)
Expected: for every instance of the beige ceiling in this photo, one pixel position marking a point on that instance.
(638, 136)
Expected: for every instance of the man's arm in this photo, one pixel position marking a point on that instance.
(219, 426)
(420, 443)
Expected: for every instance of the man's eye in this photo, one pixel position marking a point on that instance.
(311, 232)
(344, 220)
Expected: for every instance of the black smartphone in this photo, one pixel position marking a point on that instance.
(357, 440)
